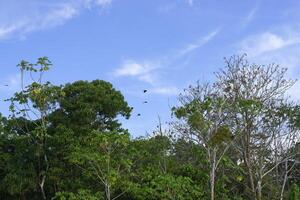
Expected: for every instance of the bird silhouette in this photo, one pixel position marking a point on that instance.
(138, 114)
(144, 91)
(6, 85)
(145, 101)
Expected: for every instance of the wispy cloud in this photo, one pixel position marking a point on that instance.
(171, 5)
(167, 7)
(281, 47)
(103, 2)
(8, 30)
(168, 90)
(199, 43)
(190, 2)
(266, 42)
(250, 16)
(150, 71)
(17, 19)
(141, 70)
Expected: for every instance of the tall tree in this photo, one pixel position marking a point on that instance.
(105, 157)
(33, 104)
(257, 96)
(204, 114)
(90, 106)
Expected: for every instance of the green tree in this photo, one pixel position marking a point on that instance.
(90, 106)
(203, 111)
(157, 174)
(86, 110)
(104, 157)
(80, 195)
(32, 106)
(294, 193)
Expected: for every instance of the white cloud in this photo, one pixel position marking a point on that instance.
(130, 68)
(17, 19)
(251, 15)
(103, 2)
(167, 7)
(57, 16)
(148, 78)
(171, 5)
(146, 72)
(199, 43)
(170, 91)
(281, 48)
(143, 71)
(150, 71)
(266, 42)
(190, 2)
(5, 31)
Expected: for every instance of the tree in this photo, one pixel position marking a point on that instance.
(157, 172)
(90, 106)
(203, 111)
(80, 195)
(85, 109)
(104, 157)
(294, 193)
(46, 122)
(32, 106)
(257, 96)
(239, 134)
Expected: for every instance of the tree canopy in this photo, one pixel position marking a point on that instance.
(235, 138)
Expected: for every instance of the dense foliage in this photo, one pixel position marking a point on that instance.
(237, 138)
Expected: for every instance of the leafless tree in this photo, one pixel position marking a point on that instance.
(257, 94)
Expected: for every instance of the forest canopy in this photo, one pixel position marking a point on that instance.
(235, 138)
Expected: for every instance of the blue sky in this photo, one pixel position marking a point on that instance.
(159, 45)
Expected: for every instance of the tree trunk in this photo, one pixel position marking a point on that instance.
(42, 190)
(284, 180)
(259, 189)
(213, 177)
(247, 160)
(212, 187)
(107, 191)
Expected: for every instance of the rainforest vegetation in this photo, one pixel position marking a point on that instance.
(235, 138)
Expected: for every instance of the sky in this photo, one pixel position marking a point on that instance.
(162, 46)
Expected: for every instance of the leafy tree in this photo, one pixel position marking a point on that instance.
(103, 157)
(32, 105)
(294, 193)
(80, 195)
(203, 111)
(157, 174)
(66, 142)
(90, 106)
(166, 187)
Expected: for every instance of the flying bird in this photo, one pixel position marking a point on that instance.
(6, 85)
(138, 114)
(145, 101)
(144, 91)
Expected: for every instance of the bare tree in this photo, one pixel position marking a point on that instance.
(257, 94)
